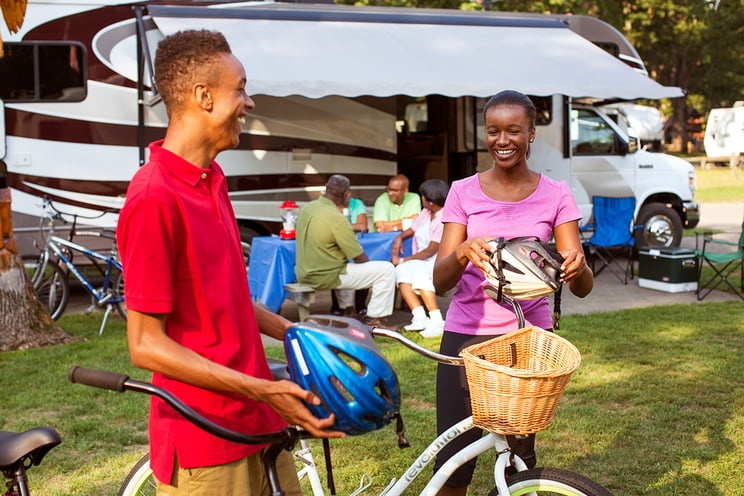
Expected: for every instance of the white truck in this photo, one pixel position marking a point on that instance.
(366, 92)
(646, 121)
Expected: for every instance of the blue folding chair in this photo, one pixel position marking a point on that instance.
(612, 236)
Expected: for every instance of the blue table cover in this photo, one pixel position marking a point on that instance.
(272, 263)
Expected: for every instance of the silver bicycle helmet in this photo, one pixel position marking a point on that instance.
(523, 269)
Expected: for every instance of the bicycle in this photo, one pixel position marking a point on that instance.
(51, 280)
(525, 481)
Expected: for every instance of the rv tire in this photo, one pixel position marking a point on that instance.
(661, 226)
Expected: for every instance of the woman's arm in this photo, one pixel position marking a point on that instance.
(397, 249)
(361, 223)
(575, 271)
(427, 252)
(455, 251)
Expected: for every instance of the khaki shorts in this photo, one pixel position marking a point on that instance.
(244, 477)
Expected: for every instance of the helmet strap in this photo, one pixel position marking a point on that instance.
(400, 430)
(557, 307)
(329, 465)
(500, 243)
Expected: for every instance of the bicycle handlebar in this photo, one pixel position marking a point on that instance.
(104, 379)
(58, 214)
(389, 333)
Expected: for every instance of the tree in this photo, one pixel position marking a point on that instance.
(684, 43)
(24, 322)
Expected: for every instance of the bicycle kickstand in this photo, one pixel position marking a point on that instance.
(109, 307)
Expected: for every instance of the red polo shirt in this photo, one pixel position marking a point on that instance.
(181, 253)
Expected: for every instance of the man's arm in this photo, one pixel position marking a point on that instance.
(271, 324)
(392, 225)
(150, 348)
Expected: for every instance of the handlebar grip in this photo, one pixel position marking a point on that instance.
(97, 378)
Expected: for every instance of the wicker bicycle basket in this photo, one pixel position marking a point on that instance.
(516, 380)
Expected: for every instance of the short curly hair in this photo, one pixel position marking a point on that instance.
(184, 58)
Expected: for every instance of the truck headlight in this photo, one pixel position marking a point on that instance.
(691, 181)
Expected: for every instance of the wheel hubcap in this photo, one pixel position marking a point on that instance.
(658, 231)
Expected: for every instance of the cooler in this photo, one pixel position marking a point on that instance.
(670, 269)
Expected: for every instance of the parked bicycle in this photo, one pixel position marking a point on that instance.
(50, 269)
(536, 481)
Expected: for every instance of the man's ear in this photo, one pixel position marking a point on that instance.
(203, 96)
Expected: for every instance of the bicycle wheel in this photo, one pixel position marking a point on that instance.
(552, 481)
(52, 288)
(32, 263)
(118, 288)
(139, 481)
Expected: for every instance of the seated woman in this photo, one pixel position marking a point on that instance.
(414, 273)
(357, 215)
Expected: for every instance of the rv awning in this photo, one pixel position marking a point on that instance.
(320, 50)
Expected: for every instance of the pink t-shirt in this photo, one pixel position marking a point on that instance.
(426, 229)
(471, 311)
(181, 254)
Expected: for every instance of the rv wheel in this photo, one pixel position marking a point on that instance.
(662, 226)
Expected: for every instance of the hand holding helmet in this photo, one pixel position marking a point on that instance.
(337, 359)
(522, 268)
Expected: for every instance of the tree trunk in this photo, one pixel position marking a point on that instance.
(24, 322)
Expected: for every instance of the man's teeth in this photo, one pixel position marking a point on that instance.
(241, 120)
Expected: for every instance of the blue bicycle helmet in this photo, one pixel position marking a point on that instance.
(337, 359)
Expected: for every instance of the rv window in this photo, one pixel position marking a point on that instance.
(417, 117)
(591, 135)
(43, 72)
(543, 104)
(610, 48)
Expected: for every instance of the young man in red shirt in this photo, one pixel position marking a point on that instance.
(191, 321)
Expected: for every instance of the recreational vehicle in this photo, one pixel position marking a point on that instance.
(363, 91)
(724, 134)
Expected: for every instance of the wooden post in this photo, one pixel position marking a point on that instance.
(8, 243)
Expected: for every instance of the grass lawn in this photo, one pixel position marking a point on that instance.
(719, 185)
(656, 408)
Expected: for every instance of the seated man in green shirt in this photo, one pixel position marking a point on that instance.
(325, 244)
(396, 205)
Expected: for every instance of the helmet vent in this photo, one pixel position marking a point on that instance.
(383, 391)
(355, 365)
(341, 389)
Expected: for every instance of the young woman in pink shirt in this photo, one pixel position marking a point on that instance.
(508, 200)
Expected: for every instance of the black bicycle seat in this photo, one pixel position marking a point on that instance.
(278, 369)
(32, 444)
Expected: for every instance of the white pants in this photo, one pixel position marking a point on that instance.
(377, 275)
(418, 273)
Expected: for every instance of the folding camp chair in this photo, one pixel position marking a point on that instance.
(724, 257)
(613, 236)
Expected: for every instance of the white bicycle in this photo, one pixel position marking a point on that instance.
(535, 481)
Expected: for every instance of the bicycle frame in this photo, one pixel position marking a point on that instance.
(474, 449)
(101, 297)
